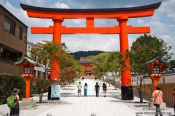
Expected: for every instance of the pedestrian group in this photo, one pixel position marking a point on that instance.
(97, 89)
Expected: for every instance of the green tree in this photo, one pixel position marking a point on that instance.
(98, 68)
(171, 64)
(108, 62)
(70, 68)
(145, 48)
(43, 53)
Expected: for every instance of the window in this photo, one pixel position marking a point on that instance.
(25, 36)
(27, 70)
(156, 70)
(20, 33)
(9, 25)
(9, 54)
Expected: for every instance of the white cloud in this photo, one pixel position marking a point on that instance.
(77, 21)
(92, 42)
(106, 22)
(34, 2)
(140, 21)
(161, 28)
(164, 31)
(168, 8)
(60, 5)
(2, 2)
(74, 22)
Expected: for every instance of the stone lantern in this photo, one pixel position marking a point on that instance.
(156, 66)
(27, 65)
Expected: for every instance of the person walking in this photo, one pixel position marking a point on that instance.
(157, 100)
(79, 88)
(49, 93)
(97, 88)
(104, 89)
(14, 111)
(85, 89)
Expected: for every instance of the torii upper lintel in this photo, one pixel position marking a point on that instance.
(130, 12)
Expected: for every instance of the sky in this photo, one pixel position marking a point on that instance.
(162, 23)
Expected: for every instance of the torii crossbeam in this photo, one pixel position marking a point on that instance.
(120, 14)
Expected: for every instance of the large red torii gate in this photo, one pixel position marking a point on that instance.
(120, 14)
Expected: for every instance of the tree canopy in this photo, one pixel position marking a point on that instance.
(107, 62)
(79, 54)
(145, 48)
(45, 52)
(172, 65)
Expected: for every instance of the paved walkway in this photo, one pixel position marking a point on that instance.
(72, 105)
(85, 106)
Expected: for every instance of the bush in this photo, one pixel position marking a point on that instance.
(7, 83)
(39, 85)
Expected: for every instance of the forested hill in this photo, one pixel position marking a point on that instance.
(79, 54)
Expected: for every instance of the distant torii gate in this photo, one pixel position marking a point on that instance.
(120, 14)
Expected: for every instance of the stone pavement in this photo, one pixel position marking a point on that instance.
(73, 105)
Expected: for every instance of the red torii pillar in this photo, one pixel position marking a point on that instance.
(121, 14)
(124, 47)
(55, 65)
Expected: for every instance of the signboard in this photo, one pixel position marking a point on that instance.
(55, 91)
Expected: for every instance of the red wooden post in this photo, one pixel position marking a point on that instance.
(55, 64)
(27, 86)
(124, 47)
(126, 88)
(156, 81)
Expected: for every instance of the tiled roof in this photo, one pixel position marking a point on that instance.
(86, 60)
(26, 58)
(151, 6)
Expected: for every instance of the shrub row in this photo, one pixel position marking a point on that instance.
(7, 83)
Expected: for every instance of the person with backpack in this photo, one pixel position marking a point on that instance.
(97, 89)
(104, 89)
(13, 102)
(157, 100)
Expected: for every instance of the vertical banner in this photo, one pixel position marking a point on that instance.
(55, 92)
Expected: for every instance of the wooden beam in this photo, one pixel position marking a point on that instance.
(77, 15)
(90, 30)
(90, 22)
